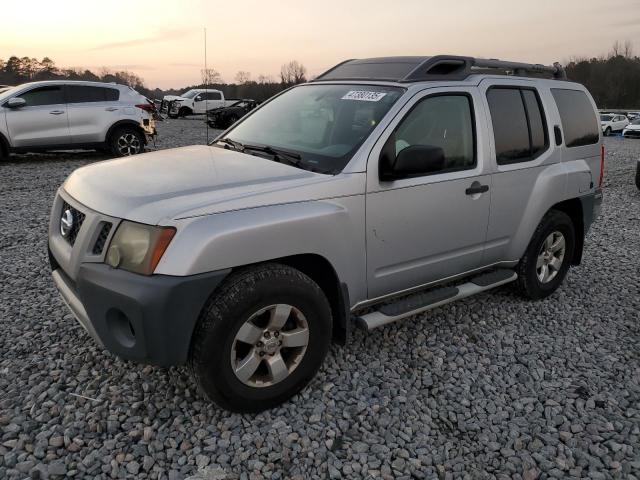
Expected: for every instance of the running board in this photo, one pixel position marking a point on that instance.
(423, 301)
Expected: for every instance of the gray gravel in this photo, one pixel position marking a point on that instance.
(490, 387)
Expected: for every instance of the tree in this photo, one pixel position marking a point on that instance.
(293, 73)
(243, 77)
(210, 76)
(265, 79)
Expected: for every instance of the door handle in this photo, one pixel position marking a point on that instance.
(557, 133)
(111, 109)
(476, 188)
(56, 112)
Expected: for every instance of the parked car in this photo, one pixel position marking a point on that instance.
(224, 117)
(58, 115)
(197, 102)
(380, 190)
(4, 88)
(632, 130)
(612, 123)
(633, 115)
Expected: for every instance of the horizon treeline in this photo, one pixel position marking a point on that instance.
(612, 79)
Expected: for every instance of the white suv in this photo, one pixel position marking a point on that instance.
(58, 115)
(196, 101)
(612, 122)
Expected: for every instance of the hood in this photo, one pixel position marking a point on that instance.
(169, 98)
(158, 187)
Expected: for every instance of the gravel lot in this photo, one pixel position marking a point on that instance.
(490, 387)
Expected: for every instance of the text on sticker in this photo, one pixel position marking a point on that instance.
(363, 96)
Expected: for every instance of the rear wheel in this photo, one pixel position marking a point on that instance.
(261, 338)
(126, 141)
(607, 131)
(548, 256)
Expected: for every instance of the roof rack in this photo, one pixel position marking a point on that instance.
(438, 67)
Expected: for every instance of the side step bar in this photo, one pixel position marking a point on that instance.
(423, 301)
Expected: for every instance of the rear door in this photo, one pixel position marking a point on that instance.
(521, 151)
(92, 109)
(426, 228)
(42, 122)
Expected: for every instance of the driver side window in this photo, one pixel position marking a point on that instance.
(442, 121)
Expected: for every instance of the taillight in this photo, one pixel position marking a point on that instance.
(147, 107)
(601, 166)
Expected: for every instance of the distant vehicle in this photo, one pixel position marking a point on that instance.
(196, 101)
(633, 115)
(61, 114)
(224, 117)
(613, 122)
(382, 189)
(632, 130)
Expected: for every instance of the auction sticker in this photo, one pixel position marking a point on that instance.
(363, 96)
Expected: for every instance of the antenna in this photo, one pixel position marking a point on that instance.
(206, 88)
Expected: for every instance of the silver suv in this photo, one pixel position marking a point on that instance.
(382, 189)
(58, 115)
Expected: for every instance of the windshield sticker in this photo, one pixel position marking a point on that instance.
(363, 96)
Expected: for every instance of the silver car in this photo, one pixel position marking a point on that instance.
(58, 115)
(384, 188)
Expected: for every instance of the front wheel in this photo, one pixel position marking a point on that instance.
(638, 175)
(607, 131)
(548, 256)
(126, 141)
(261, 338)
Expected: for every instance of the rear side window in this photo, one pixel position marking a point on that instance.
(212, 96)
(519, 127)
(50, 95)
(579, 121)
(89, 94)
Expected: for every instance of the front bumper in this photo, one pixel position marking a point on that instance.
(148, 319)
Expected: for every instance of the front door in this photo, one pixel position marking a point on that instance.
(421, 229)
(42, 121)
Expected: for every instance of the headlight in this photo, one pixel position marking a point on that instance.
(137, 247)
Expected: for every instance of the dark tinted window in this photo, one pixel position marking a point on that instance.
(212, 96)
(88, 94)
(536, 122)
(509, 125)
(51, 95)
(443, 121)
(579, 121)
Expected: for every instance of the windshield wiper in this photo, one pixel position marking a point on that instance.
(236, 145)
(278, 154)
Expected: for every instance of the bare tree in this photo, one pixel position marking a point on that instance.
(210, 76)
(265, 79)
(293, 73)
(243, 77)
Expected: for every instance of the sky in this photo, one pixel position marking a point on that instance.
(162, 40)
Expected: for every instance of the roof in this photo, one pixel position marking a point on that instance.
(438, 67)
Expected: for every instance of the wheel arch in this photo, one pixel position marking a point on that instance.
(320, 270)
(126, 123)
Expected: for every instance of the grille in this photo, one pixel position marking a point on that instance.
(102, 238)
(78, 218)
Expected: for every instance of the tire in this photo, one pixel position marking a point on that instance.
(216, 352)
(553, 224)
(638, 175)
(231, 120)
(126, 141)
(184, 111)
(607, 131)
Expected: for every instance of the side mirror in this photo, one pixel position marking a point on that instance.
(16, 102)
(198, 98)
(414, 161)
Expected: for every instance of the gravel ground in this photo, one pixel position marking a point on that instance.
(490, 387)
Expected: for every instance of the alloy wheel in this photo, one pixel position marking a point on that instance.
(129, 144)
(270, 345)
(551, 257)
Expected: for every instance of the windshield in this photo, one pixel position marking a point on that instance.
(322, 124)
(606, 118)
(189, 94)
